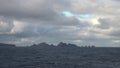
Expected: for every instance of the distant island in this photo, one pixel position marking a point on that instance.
(44, 44)
(61, 44)
(7, 45)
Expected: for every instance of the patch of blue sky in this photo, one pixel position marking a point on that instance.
(83, 16)
(68, 14)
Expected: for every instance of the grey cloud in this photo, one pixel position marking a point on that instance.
(104, 24)
(116, 0)
(33, 21)
(102, 7)
(41, 9)
(6, 24)
(115, 33)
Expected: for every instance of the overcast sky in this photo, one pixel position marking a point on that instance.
(83, 22)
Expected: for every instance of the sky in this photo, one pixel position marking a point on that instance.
(82, 22)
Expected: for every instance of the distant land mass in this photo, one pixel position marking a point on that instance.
(44, 44)
(61, 44)
(7, 45)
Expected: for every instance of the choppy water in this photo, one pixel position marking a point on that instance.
(28, 57)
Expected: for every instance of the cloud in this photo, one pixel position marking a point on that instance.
(96, 7)
(82, 22)
(116, 0)
(5, 25)
(41, 9)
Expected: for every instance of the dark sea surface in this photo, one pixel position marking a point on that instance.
(55, 57)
